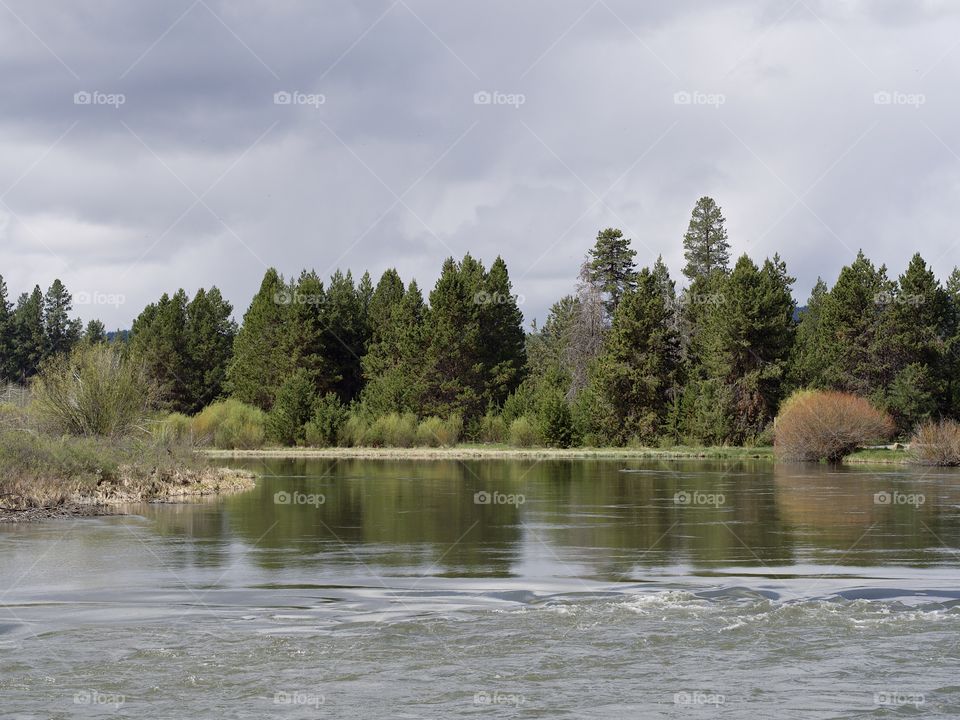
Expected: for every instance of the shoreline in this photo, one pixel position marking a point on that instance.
(479, 452)
(180, 485)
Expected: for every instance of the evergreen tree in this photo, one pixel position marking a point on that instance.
(502, 340)
(210, 332)
(705, 244)
(95, 333)
(158, 340)
(307, 335)
(60, 332)
(261, 359)
(386, 296)
(8, 370)
(809, 358)
(344, 336)
(28, 335)
(635, 374)
(612, 267)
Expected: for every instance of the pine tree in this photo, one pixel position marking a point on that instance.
(95, 333)
(502, 339)
(705, 244)
(809, 357)
(60, 332)
(158, 340)
(210, 332)
(344, 337)
(306, 340)
(28, 335)
(612, 267)
(635, 374)
(7, 346)
(261, 359)
(386, 296)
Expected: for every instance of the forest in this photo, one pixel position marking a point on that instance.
(628, 358)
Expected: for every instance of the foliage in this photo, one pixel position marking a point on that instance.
(230, 425)
(555, 420)
(92, 391)
(493, 428)
(523, 432)
(827, 425)
(936, 443)
(329, 416)
(611, 267)
(292, 409)
(705, 245)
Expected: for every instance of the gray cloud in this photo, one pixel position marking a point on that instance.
(819, 127)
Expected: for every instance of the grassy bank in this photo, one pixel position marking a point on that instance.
(43, 476)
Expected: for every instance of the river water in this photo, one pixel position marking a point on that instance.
(554, 589)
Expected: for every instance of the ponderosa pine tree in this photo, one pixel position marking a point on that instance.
(850, 331)
(394, 364)
(386, 296)
(916, 333)
(502, 339)
(261, 358)
(7, 344)
(210, 332)
(635, 373)
(28, 334)
(158, 340)
(612, 267)
(95, 332)
(306, 332)
(807, 365)
(60, 332)
(705, 245)
(345, 333)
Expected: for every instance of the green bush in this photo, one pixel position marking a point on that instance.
(493, 429)
(329, 417)
(429, 431)
(174, 429)
(355, 430)
(230, 425)
(292, 409)
(518, 403)
(523, 432)
(555, 420)
(92, 391)
(393, 430)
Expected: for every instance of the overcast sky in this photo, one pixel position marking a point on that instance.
(419, 129)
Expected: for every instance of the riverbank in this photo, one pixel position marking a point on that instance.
(880, 456)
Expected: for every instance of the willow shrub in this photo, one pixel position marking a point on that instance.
(230, 425)
(92, 391)
(819, 425)
(936, 443)
(524, 433)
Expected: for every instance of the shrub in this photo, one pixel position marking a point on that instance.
(92, 391)
(518, 403)
(392, 430)
(230, 425)
(329, 416)
(174, 429)
(292, 409)
(429, 431)
(493, 428)
(523, 432)
(936, 443)
(355, 430)
(815, 425)
(555, 420)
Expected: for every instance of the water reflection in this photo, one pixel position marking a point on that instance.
(607, 519)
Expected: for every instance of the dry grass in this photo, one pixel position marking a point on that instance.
(936, 443)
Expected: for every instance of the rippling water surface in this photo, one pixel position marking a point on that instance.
(601, 589)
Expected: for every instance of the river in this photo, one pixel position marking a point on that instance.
(551, 589)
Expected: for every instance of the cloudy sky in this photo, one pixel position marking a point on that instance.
(154, 145)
